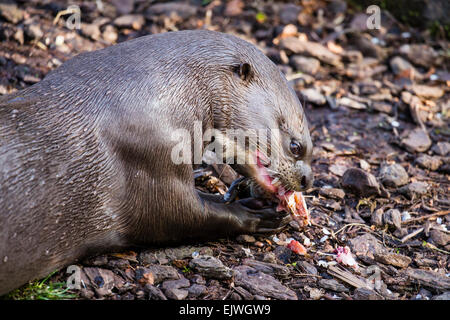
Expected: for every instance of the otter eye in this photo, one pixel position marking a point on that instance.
(296, 148)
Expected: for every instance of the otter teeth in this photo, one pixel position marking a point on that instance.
(276, 182)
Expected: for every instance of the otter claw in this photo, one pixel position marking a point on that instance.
(233, 191)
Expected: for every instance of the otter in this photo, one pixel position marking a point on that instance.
(85, 154)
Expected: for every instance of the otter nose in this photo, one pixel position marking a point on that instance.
(305, 175)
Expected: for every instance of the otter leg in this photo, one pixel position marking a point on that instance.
(236, 218)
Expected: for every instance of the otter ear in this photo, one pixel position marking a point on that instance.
(244, 71)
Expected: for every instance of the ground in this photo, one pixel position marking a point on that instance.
(377, 101)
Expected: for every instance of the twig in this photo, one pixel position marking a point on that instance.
(353, 224)
(429, 216)
(411, 235)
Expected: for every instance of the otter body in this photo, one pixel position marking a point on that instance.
(85, 154)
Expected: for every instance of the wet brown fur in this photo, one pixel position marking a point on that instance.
(85, 153)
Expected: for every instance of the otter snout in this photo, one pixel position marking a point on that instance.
(304, 175)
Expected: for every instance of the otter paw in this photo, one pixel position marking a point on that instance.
(261, 220)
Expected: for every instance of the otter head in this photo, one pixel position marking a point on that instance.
(259, 100)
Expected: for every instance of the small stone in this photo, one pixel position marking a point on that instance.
(420, 54)
(414, 189)
(428, 278)
(123, 6)
(176, 294)
(394, 259)
(444, 296)
(360, 183)
(305, 64)
(144, 276)
(382, 106)
(400, 65)
(91, 30)
(333, 285)
(338, 169)
(313, 96)
(377, 217)
(172, 9)
(366, 294)
(135, 21)
(163, 273)
(440, 237)
(110, 34)
(350, 103)
(154, 293)
(393, 217)
(33, 31)
(259, 283)
(244, 238)
(175, 284)
(289, 13)
(244, 293)
(417, 140)
(427, 91)
(364, 165)
(19, 36)
(211, 267)
(307, 267)
(310, 48)
(269, 268)
(366, 245)
(429, 162)
(441, 148)
(11, 12)
(283, 254)
(333, 193)
(196, 290)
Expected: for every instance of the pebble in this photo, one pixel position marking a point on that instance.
(313, 96)
(91, 30)
(393, 217)
(289, 13)
(10, 12)
(211, 267)
(414, 189)
(33, 31)
(333, 193)
(135, 21)
(305, 64)
(441, 148)
(360, 183)
(350, 103)
(244, 238)
(269, 268)
(440, 237)
(366, 294)
(427, 91)
(173, 288)
(262, 284)
(154, 293)
(196, 290)
(393, 175)
(366, 245)
(333, 285)
(399, 65)
(429, 162)
(162, 273)
(110, 34)
(394, 259)
(377, 217)
(182, 10)
(416, 140)
(310, 48)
